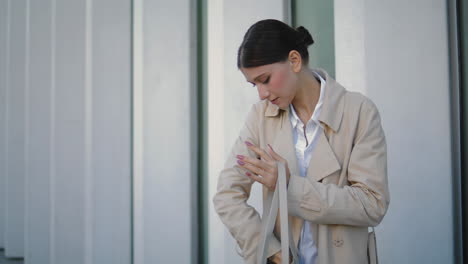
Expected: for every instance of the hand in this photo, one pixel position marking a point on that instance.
(265, 169)
(276, 258)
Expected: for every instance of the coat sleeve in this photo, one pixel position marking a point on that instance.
(233, 191)
(365, 201)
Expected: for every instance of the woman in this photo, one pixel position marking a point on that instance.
(330, 139)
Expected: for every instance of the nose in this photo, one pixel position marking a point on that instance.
(263, 93)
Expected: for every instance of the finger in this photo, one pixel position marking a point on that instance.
(260, 180)
(259, 151)
(265, 165)
(275, 155)
(256, 170)
(255, 177)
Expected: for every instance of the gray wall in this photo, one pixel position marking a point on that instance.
(401, 56)
(68, 127)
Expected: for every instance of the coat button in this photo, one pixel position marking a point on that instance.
(338, 242)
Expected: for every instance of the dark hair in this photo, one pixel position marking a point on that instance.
(269, 41)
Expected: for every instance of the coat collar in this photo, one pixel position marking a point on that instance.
(333, 103)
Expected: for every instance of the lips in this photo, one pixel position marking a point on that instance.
(275, 101)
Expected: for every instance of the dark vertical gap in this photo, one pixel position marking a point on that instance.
(293, 14)
(455, 124)
(462, 12)
(132, 215)
(202, 111)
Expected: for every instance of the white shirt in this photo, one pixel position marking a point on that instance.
(304, 143)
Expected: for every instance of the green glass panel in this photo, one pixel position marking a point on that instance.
(317, 16)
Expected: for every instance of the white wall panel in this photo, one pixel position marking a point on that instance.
(79, 105)
(15, 178)
(65, 130)
(38, 229)
(350, 45)
(405, 71)
(166, 132)
(111, 130)
(92, 132)
(4, 19)
(71, 144)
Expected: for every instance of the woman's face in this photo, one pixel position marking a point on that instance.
(275, 82)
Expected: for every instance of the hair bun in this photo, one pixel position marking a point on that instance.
(304, 36)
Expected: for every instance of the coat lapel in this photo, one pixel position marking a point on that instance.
(323, 161)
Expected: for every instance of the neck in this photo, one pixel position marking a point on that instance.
(307, 95)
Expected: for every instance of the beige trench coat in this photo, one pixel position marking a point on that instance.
(344, 192)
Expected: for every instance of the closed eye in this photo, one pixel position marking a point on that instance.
(265, 82)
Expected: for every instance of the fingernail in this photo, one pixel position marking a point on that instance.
(240, 162)
(240, 156)
(248, 143)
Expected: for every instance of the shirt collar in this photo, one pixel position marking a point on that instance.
(292, 113)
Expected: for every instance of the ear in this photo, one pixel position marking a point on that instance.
(295, 60)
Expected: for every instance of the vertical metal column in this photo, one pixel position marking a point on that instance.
(454, 65)
(459, 54)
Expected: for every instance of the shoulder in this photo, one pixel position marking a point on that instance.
(360, 114)
(359, 103)
(255, 114)
(364, 114)
(260, 109)
(261, 105)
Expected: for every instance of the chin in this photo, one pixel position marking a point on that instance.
(282, 106)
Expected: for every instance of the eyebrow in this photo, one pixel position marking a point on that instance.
(257, 77)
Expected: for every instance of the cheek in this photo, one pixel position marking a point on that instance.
(282, 84)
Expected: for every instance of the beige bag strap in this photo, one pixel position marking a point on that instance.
(275, 200)
(372, 248)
